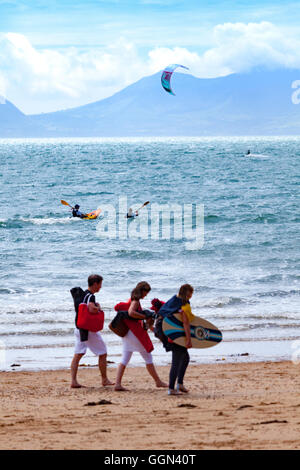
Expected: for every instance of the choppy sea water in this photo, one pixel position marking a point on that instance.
(246, 274)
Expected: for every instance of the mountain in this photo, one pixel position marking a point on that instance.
(14, 123)
(254, 103)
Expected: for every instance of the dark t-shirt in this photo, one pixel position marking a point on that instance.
(84, 296)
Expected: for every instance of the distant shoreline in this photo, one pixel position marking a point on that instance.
(159, 138)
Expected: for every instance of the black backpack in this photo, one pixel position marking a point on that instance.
(78, 296)
(158, 333)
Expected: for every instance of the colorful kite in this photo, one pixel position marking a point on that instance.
(167, 74)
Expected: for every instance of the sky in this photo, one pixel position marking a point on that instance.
(59, 54)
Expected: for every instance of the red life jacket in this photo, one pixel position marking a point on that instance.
(89, 321)
(136, 326)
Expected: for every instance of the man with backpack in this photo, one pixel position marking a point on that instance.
(88, 339)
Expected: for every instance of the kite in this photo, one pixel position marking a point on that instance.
(166, 76)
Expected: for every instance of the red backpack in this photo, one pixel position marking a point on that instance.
(89, 321)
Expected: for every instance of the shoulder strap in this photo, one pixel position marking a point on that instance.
(88, 301)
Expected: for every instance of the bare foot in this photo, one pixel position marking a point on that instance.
(119, 388)
(77, 385)
(107, 382)
(161, 384)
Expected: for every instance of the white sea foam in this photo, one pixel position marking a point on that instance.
(258, 155)
(47, 221)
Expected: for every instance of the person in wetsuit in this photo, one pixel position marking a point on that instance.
(180, 355)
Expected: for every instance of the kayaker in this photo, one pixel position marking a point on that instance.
(77, 213)
(131, 214)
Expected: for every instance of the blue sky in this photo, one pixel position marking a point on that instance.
(64, 53)
(148, 22)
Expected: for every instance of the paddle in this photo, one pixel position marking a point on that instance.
(66, 204)
(145, 204)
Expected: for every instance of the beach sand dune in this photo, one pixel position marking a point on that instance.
(230, 406)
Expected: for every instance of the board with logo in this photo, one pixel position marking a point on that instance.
(203, 333)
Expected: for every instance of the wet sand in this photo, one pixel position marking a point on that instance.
(230, 406)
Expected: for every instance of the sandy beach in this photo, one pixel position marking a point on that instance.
(230, 406)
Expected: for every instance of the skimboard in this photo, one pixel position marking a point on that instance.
(203, 333)
(92, 215)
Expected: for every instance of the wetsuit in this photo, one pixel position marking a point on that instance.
(180, 355)
(180, 361)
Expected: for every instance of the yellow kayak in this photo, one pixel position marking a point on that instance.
(92, 215)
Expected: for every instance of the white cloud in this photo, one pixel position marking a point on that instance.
(46, 80)
(237, 48)
(39, 80)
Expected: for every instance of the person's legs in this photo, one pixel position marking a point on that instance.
(79, 352)
(96, 344)
(121, 369)
(184, 362)
(151, 369)
(120, 372)
(74, 370)
(176, 359)
(103, 370)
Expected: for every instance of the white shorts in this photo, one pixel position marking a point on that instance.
(95, 343)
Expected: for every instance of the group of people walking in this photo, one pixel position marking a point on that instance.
(136, 338)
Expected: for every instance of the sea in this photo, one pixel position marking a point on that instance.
(243, 212)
